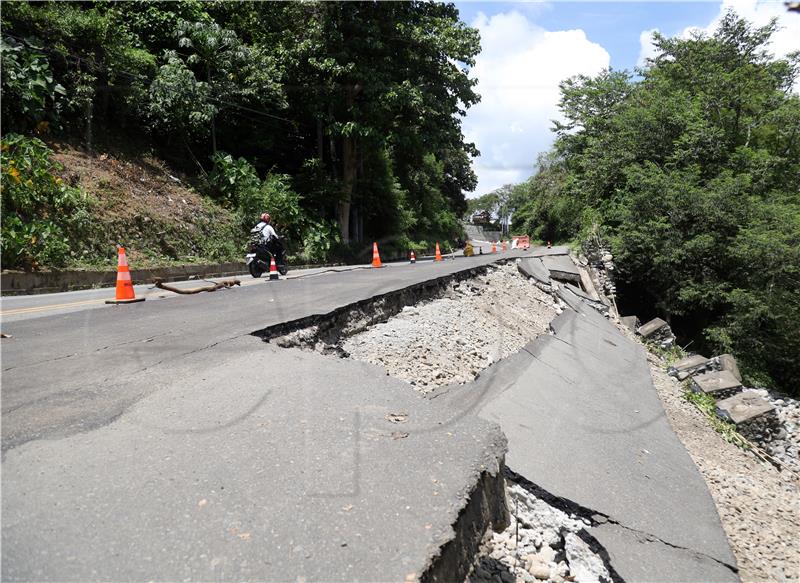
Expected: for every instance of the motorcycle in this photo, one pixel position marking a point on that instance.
(258, 259)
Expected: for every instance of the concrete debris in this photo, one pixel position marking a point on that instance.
(532, 267)
(658, 332)
(691, 364)
(562, 268)
(778, 431)
(540, 544)
(743, 407)
(596, 304)
(728, 362)
(599, 257)
(716, 382)
(450, 340)
(630, 322)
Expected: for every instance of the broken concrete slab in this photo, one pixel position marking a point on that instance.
(219, 475)
(579, 292)
(630, 322)
(561, 267)
(574, 297)
(689, 363)
(728, 362)
(743, 407)
(533, 267)
(585, 424)
(652, 327)
(715, 382)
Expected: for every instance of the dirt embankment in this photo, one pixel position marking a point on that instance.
(152, 210)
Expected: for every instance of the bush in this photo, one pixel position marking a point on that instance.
(319, 241)
(44, 220)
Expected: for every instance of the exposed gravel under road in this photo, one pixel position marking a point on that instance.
(451, 339)
(482, 320)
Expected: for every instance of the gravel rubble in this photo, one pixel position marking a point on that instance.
(477, 322)
(540, 544)
(450, 340)
(758, 505)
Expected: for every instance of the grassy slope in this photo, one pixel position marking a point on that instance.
(150, 209)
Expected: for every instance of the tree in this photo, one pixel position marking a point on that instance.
(692, 173)
(234, 72)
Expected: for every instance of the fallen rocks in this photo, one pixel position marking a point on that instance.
(584, 565)
(542, 543)
(743, 407)
(450, 340)
(721, 383)
(658, 332)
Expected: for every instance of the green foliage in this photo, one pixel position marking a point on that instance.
(30, 94)
(325, 111)
(43, 219)
(708, 406)
(178, 102)
(693, 174)
(320, 239)
(235, 183)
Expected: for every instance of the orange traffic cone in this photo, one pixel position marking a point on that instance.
(376, 257)
(273, 268)
(438, 253)
(124, 293)
(505, 246)
(494, 247)
(413, 258)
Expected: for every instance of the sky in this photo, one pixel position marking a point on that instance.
(529, 47)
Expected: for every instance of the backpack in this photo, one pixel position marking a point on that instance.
(256, 238)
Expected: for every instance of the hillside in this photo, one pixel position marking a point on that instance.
(65, 207)
(149, 208)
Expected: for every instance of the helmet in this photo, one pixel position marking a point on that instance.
(265, 217)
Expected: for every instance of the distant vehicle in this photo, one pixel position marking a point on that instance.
(258, 259)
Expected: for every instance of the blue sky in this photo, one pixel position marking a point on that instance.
(614, 25)
(529, 47)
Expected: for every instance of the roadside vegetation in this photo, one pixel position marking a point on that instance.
(691, 171)
(339, 118)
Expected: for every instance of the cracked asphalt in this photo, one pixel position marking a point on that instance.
(123, 425)
(585, 425)
(166, 440)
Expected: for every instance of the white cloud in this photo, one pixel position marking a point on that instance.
(647, 49)
(759, 13)
(519, 69)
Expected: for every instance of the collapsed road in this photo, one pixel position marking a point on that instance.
(166, 440)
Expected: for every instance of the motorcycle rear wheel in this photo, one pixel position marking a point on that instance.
(254, 270)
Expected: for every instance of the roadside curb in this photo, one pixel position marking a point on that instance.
(41, 282)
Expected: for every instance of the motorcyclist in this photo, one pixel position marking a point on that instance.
(265, 230)
(264, 236)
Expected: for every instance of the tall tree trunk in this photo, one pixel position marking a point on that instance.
(349, 170)
(349, 166)
(213, 116)
(88, 112)
(320, 143)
